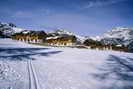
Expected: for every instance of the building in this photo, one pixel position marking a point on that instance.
(62, 40)
(92, 44)
(30, 36)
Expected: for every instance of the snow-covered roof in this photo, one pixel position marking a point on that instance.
(48, 38)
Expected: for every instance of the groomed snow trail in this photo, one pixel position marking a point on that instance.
(33, 80)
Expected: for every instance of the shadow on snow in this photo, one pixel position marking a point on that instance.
(24, 53)
(119, 70)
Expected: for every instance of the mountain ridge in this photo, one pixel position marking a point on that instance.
(116, 36)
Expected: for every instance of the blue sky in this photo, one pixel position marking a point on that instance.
(84, 17)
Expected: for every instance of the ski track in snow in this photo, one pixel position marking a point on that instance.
(33, 80)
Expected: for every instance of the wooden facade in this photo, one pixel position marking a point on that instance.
(100, 46)
(30, 37)
(42, 37)
(64, 40)
(61, 40)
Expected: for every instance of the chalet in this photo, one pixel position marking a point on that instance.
(30, 36)
(92, 44)
(64, 40)
(120, 48)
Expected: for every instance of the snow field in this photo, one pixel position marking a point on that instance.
(64, 68)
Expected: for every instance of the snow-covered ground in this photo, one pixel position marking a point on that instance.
(26, 66)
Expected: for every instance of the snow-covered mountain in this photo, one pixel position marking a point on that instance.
(8, 29)
(59, 31)
(96, 38)
(62, 31)
(119, 35)
(81, 39)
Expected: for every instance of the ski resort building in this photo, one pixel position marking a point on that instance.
(65, 40)
(92, 44)
(30, 36)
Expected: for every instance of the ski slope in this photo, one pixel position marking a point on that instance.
(26, 66)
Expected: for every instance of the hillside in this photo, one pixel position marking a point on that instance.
(8, 29)
(116, 36)
(119, 35)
